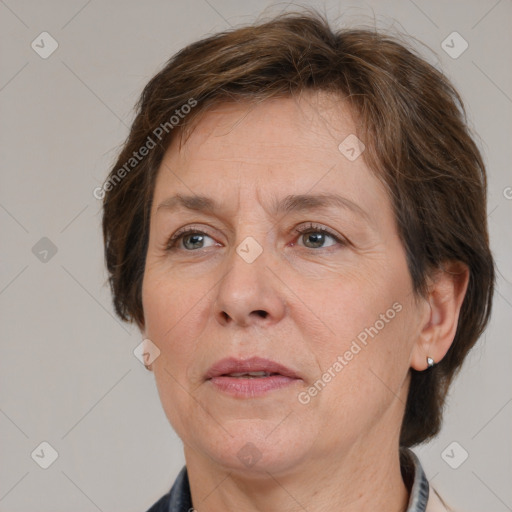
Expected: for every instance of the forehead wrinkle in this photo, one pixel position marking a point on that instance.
(274, 206)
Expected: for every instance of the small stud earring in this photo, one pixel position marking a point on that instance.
(430, 362)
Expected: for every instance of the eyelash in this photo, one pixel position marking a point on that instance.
(309, 228)
(171, 243)
(315, 228)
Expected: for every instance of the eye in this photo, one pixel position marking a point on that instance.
(316, 237)
(311, 237)
(190, 240)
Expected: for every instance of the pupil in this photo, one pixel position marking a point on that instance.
(193, 241)
(315, 239)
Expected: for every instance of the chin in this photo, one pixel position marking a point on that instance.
(253, 449)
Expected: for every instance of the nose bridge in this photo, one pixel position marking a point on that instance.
(247, 292)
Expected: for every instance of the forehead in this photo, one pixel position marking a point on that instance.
(308, 125)
(282, 146)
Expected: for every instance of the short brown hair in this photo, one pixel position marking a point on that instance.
(410, 118)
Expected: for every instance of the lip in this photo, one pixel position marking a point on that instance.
(242, 387)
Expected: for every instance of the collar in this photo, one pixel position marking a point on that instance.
(179, 499)
(415, 479)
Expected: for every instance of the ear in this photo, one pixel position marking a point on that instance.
(447, 289)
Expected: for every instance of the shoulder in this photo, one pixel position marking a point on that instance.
(178, 499)
(423, 497)
(162, 505)
(436, 503)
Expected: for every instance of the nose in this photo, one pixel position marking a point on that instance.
(249, 293)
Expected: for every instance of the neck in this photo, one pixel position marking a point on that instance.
(361, 479)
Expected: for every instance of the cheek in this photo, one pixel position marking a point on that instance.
(169, 300)
(174, 314)
(367, 316)
(348, 303)
(371, 362)
(363, 373)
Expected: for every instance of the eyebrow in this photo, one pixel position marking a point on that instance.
(290, 203)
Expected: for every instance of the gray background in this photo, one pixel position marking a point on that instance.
(68, 373)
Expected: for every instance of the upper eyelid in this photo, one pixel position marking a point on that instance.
(340, 239)
(186, 230)
(310, 226)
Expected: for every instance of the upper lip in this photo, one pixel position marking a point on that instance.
(253, 364)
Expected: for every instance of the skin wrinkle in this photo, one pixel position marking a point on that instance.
(317, 304)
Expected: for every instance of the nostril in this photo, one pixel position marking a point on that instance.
(258, 312)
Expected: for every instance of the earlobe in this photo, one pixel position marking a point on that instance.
(446, 294)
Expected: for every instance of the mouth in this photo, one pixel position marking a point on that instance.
(252, 377)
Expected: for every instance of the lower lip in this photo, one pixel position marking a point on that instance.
(251, 387)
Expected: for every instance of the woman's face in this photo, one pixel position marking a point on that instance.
(290, 255)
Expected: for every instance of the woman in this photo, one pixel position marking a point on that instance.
(297, 224)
